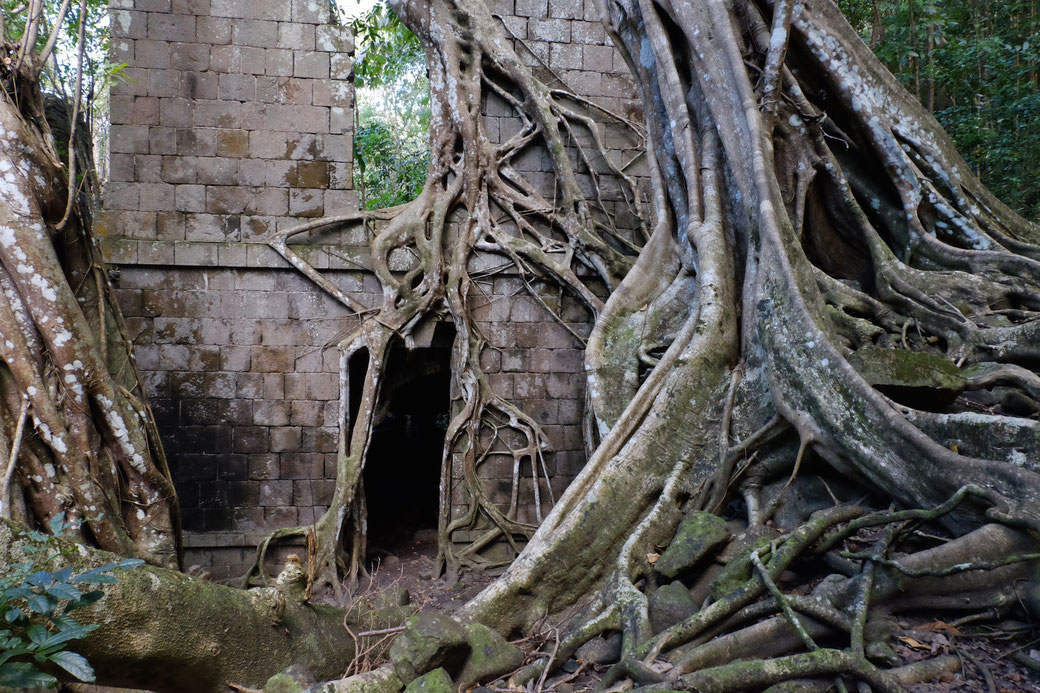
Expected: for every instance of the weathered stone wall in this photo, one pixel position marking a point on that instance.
(238, 123)
(236, 118)
(242, 370)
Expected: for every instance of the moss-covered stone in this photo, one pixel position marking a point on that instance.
(600, 650)
(436, 681)
(295, 679)
(670, 605)
(490, 656)
(904, 370)
(699, 535)
(1029, 593)
(738, 570)
(429, 641)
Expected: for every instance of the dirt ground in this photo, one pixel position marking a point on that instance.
(987, 649)
(409, 565)
(987, 652)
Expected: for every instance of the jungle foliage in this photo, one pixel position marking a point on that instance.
(974, 64)
(36, 600)
(393, 119)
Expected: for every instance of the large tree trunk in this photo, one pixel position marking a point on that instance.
(828, 294)
(77, 435)
(820, 277)
(828, 299)
(165, 631)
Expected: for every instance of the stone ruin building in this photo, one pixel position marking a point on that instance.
(236, 122)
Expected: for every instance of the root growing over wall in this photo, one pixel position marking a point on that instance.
(76, 433)
(826, 297)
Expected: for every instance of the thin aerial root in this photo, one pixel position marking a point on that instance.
(785, 605)
(760, 674)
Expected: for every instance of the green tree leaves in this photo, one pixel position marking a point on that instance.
(35, 602)
(391, 141)
(977, 66)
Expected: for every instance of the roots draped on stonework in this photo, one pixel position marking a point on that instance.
(823, 314)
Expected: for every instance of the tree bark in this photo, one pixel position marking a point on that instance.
(819, 255)
(91, 449)
(165, 631)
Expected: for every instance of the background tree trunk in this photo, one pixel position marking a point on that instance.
(89, 446)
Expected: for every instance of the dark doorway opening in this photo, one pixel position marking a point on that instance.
(403, 468)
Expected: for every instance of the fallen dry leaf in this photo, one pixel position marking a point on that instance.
(914, 643)
(939, 627)
(652, 557)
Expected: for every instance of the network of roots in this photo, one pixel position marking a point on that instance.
(817, 314)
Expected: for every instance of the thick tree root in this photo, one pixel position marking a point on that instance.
(168, 632)
(716, 649)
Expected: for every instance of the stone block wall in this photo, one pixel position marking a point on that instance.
(238, 123)
(241, 367)
(565, 43)
(242, 372)
(236, 118)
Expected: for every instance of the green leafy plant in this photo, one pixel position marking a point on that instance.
(387, 50)
(394, 168)
(391, 140)
(36, 602)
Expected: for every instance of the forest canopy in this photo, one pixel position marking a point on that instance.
(391, 140)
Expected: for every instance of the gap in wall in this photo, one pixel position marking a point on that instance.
(403, 467)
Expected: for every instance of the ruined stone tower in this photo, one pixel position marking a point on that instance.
(236, 122)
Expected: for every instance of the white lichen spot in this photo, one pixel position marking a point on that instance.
(122, 434)
(62, 337)
(122, 19)
(46, 290)
(56, 442)
(13, 196)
